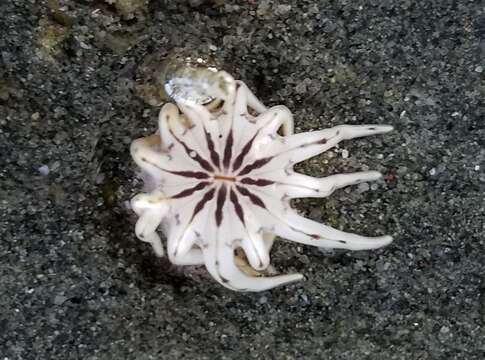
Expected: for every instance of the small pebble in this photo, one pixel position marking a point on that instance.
(55, 165)
(363, 188)
(432, 172)
(43, 170)
(60, 299)
(327, 251)
(402, 170)
(444, 330)
(479, 69)
(283, 9)
(300, 88)
(304, 300)
(345, 153)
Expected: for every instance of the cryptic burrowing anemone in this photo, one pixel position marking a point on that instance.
(222, 178)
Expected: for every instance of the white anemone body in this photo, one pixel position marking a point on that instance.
(224, 179)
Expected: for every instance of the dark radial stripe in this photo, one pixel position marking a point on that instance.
(237, 206)
(221, 199)
(256, 200)
(190, 174)
(190, 191)
(213, 153)
(200, 205)
(202, 162)
(316, 236)
(322, 141)
(257, 182)
(255, 165)
(228, 150)
(239, 159)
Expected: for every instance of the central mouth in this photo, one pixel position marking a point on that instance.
(225, 178)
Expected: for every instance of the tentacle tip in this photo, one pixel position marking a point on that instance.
(292, 278)
(154, 241)
(158, 250)
(385, 240)
(137, 204)
(168, 106)
(378, 129)
(374, 175)
(282, 109)
(271, 282)
(387, 128)
(168, 109)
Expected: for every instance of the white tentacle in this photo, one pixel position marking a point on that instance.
(151, 212)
